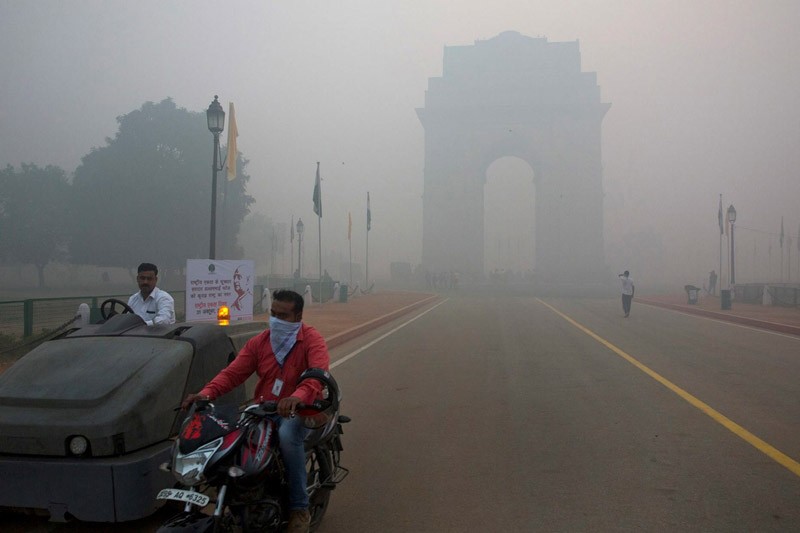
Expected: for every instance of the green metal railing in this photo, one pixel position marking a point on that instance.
(33, 316)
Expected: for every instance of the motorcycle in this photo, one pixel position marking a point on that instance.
(230, 458)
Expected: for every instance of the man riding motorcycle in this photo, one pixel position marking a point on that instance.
(279, 355)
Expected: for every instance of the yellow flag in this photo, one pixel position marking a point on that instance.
(233, 132)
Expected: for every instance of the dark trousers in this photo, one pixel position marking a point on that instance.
(626, 303)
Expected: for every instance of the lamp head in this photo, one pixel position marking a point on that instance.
(731, 214)
(215, 116)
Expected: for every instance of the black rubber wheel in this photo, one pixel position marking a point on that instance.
(320, 471)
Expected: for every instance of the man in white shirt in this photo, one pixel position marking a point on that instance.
(151, 303)
(627, 292)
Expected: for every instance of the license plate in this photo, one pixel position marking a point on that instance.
(186, 496)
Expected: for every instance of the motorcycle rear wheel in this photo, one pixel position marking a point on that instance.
(319, 466)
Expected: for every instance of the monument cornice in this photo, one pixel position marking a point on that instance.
(512, 114)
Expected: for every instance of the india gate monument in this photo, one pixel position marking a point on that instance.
(527, 98)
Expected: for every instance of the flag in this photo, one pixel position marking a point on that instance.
(369, 214)
(233, 132)
(781, 239)
(291, 230)
(318, 195)
(720, 217)
(349, 226)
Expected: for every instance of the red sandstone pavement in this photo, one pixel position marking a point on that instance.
(775, 318)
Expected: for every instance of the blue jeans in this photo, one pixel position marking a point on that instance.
(291, 434)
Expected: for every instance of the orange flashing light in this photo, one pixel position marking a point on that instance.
(224, 315)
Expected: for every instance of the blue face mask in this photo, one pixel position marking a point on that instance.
(282, 337)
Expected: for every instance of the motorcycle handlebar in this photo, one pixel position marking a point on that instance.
(263, 408)
(271, 407)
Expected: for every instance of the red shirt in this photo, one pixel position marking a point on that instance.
(310, 351)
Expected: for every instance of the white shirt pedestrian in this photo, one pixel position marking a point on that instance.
(627, 285)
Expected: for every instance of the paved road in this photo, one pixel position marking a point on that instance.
(499, 413)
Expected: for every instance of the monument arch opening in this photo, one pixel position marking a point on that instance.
(509, 228)
(527, 98)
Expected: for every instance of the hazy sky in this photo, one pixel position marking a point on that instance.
(703, 93)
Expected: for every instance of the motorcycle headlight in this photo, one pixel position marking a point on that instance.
(189, 467)
(78, 445)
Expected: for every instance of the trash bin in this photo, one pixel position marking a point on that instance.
(693, 294)
(343, 293)
(725, 298)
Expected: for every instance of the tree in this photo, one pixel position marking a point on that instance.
(33, 209)
(146, 195)
(263, 240)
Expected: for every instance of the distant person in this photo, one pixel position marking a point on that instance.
(712, 282)
(627, 292)
(151, 303)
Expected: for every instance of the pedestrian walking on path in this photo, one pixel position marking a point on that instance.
(712, 282)
(627, 292)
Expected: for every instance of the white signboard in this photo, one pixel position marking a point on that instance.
(210, 284)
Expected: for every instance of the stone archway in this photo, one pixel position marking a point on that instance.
(508, 221)
(523, 97)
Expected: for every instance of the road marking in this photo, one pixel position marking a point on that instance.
(765, 448)
(401, 326)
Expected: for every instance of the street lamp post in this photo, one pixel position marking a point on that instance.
(216, 123)
(732, 219)
(300, 229)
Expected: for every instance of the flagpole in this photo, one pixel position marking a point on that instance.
(728, 250)
(720, 244)
(350, 243)
(318, 210)
(781, 239)
(369, 226)
(291, 248)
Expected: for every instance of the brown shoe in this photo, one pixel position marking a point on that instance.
(299, 521)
